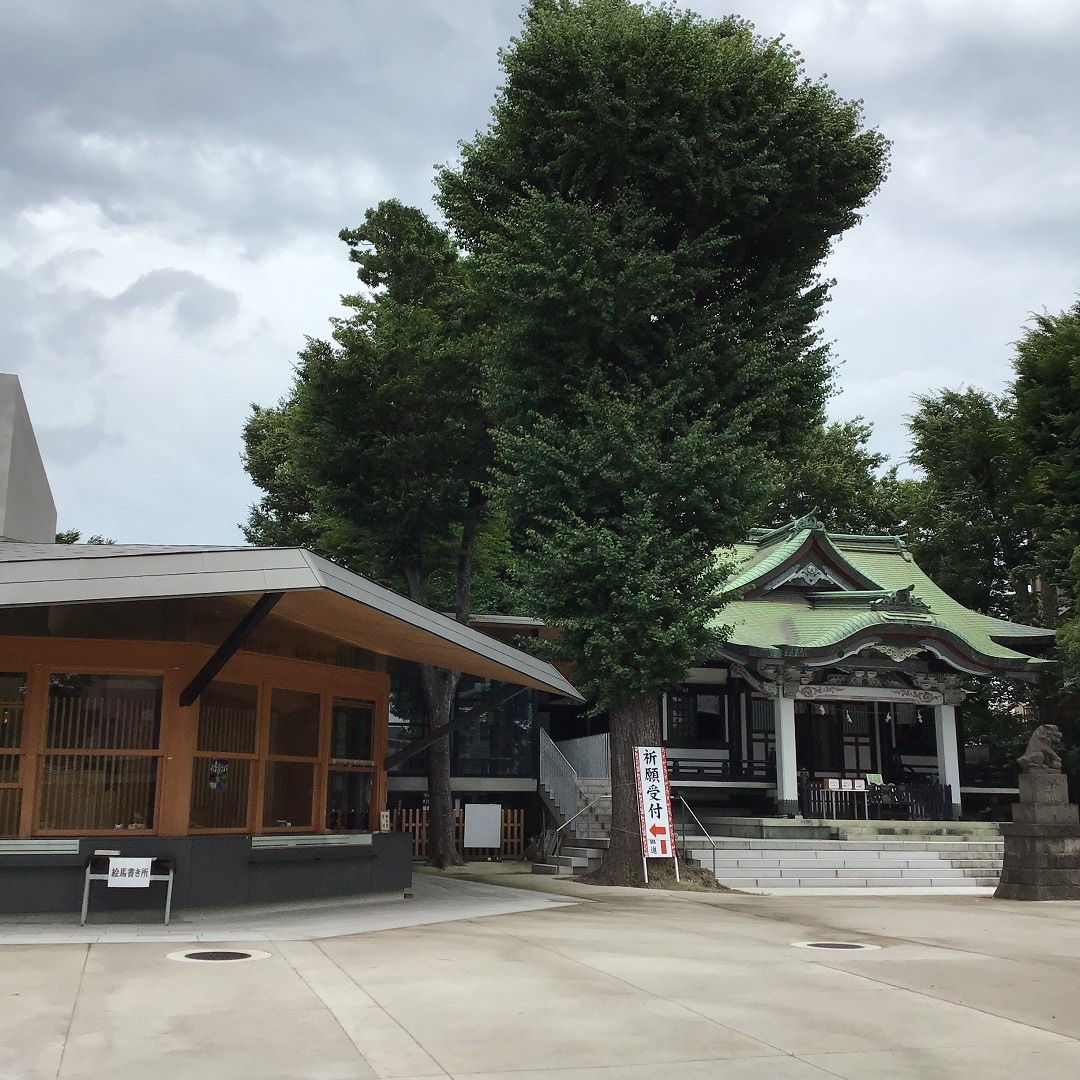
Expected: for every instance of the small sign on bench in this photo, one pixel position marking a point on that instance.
(129, 873)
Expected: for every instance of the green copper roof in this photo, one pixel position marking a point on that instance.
(844, 600)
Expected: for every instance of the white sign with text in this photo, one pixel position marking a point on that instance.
(129, 873)
(654, 803)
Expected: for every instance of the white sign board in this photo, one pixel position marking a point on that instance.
(483, 825)
(129, 873)
(654, 803)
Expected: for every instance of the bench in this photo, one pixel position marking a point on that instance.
(294, 847)
(98, 869)
(39, 847)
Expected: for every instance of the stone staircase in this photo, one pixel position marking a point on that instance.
(575, 857)
(821, 864)
(586, 837)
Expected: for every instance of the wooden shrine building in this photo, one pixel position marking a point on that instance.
(223, 710)
(844, 664)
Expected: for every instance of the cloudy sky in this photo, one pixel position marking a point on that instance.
(173, 176)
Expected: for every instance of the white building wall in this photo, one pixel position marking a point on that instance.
(27, 510)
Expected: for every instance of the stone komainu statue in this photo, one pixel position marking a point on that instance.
(1041, 753)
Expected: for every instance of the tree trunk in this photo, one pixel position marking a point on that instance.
(439, 687)
(634, 722)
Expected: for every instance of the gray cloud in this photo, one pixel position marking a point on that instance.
(198, 106)
(175, 173)
(197, 304)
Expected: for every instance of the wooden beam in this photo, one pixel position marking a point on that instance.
(466, 718)
(224, 652)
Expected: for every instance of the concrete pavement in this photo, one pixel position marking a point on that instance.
(630, 986)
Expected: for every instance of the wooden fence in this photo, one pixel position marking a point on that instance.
(513, 834)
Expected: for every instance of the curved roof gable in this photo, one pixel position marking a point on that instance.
(801, 592)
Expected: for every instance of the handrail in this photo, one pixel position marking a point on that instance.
(700, 826)
(558, 776)
(599, 798)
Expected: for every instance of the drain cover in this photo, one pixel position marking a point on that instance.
(218, 954)
(854, 945)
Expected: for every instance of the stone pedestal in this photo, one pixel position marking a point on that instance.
(1042, 845)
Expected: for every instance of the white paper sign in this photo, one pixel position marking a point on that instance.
(129, 873)
(654, 802)
(483, 825)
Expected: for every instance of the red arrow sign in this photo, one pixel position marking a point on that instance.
(657, 831)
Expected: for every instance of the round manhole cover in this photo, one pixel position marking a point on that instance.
(841, 945)
(211, 955)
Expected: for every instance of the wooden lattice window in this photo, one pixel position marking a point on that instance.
(12, 700)
(292, 757)
(225, 756)
(102, 758)
(351, 771)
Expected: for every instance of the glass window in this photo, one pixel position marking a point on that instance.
(348, 800)
(92, 792)
(103, 712)
(682, 717)
(351, 727)
(12, 699)
(290, 794)
(408, 717)
(294, 724)
(228, 718)
(108, 726)
(220, 790)
(500, 743)
(221, 777)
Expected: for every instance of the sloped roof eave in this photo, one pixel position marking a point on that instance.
(42, 575)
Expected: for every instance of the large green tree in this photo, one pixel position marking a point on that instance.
(848, 486)
(965, 528)
(646, 216)
(1046, 396)
(996, 521)
(379, 453)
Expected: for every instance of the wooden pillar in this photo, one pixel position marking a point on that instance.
(35, 716)
(179, 735)
(787, 768)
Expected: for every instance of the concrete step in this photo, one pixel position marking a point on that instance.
(572, 861)
(580, 851)
(549, 869)
(601, 842)
(958, 846)
(867, 882)
(852, 864)
(765, 866)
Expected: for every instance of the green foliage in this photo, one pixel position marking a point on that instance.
(835, 474)
(1047, 419)
(966, 532)
(997, 516)
(73, 536)
(646, 215)
(378, 454)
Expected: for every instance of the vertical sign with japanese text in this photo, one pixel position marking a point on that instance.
(654, 802)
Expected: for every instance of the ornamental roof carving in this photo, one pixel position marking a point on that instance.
(803, 594)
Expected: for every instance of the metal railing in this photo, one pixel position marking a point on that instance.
(903, 802)
(559, 778)
(590, 756)
(705, 832)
